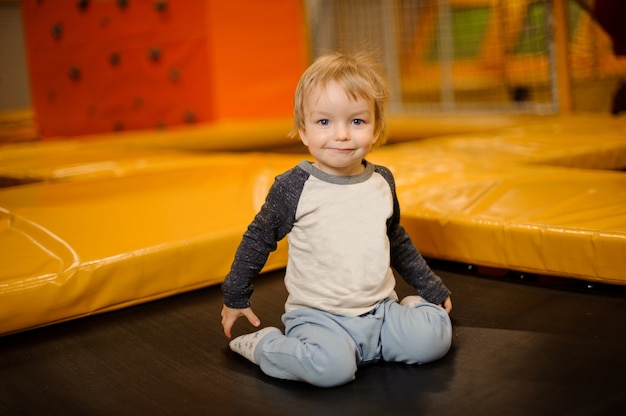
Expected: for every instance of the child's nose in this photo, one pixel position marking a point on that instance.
(342, 133)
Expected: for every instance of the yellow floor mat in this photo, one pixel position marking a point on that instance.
(71, 249)
(113, 223)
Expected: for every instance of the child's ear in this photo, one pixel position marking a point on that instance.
(302, 133)
(376, 138)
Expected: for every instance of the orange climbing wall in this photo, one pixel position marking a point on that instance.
(101, 66)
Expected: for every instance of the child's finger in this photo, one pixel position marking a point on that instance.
(252, 318)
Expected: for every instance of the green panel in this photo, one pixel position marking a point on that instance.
(574, 12)
(532, 38)
(469, 25)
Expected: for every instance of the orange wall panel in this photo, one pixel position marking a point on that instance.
(257, 57)
(100, 66)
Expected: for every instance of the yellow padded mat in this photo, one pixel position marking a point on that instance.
(75, 248)
(553, 221)
(77, 161)
(516, 198)
(115, 223)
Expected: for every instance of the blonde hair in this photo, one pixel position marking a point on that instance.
(358, 74)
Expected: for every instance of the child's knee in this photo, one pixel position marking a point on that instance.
(434, 340)
(323, 366)
(418, 338)
(333, 370)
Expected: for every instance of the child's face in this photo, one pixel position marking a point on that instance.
(338, 130)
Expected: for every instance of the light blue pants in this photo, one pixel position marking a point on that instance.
(325, 349)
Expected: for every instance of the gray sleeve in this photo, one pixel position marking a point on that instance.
(406, 260)
(271, 224)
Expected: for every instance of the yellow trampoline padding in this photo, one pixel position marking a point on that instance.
(403, 128)
(517, 198)
(74, 161)
(114, 223)
(587, 141)
(225, 135)
(553, 221)
(71, 249)
(124, 153)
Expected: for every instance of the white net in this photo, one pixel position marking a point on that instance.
(466, 55)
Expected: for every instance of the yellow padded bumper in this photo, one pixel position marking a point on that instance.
(116, 223)
(71, 249)
(537, 197)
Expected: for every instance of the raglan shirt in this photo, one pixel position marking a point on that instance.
(344, 237)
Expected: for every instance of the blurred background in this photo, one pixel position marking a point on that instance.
(84, 67)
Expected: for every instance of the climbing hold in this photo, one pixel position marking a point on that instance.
(189, 117)
(154, 54)
(82, 5)
(160, 5)
(114, 59)
(57, 31)
(174, 74)
(74, 73)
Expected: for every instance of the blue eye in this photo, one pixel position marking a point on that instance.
(358, 121)
(323, 122)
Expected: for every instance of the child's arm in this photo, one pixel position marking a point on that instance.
(270, 225)
(406, 259)
(409, 263)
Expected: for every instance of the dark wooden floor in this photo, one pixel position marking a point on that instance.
(520, 348)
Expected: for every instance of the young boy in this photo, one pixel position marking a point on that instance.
(342, 216)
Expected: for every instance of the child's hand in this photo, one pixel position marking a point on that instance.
(230, 315)
(447, 304)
